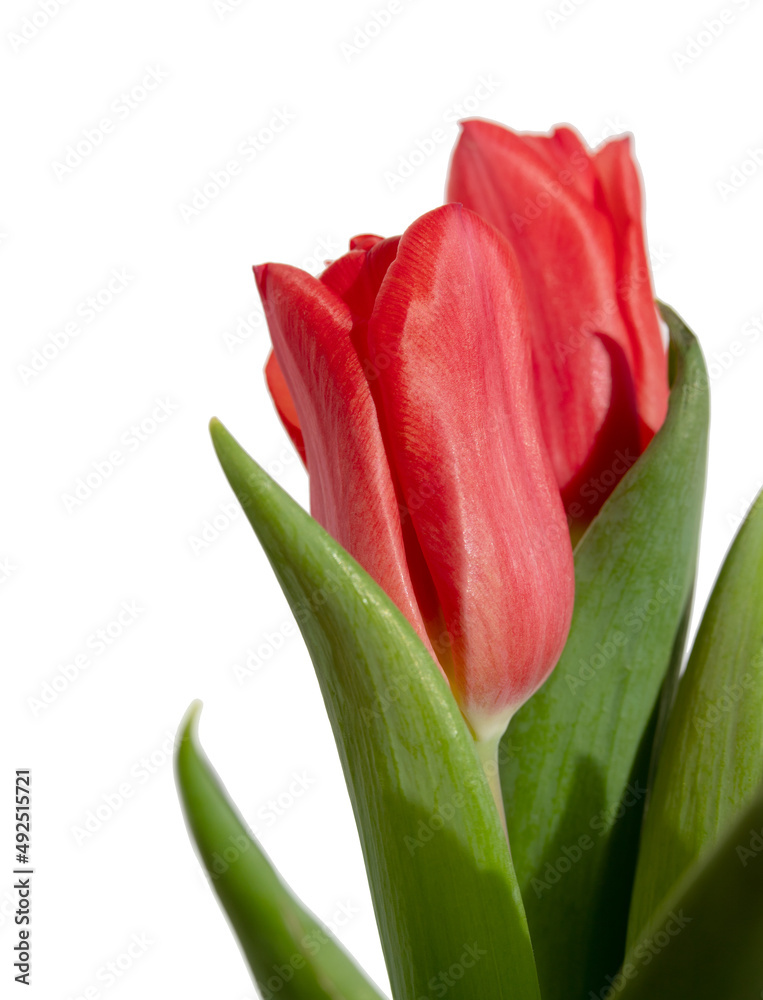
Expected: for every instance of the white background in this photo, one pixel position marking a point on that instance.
(225, 69)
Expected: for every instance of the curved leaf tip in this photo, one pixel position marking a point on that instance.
(288, 951)
(189, 727)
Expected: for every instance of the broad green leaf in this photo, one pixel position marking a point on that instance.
(576, 756)
(706, 943)
(711, 762)
(290, 953)
(445, 894)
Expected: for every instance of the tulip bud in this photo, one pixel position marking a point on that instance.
(408, 365)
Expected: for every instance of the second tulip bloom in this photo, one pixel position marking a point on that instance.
(574, 219)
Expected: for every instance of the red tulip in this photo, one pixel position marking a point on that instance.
(574, 219)
(406, 375)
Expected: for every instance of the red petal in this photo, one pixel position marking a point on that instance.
(616, 448)
(449, 338)
(343, 272)
(284, 403)
(566, 253)
(574, 221)
(622, 193)
(563, 149)
(352, 493)
(365, 241)
(357, 276)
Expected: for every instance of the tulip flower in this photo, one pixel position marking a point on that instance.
(450, 391)
(574, 219)
(403, 374)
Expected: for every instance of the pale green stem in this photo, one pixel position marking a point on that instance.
(487, 751)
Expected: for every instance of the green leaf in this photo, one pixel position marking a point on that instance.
(445, 894)
(289, 952)
(576, 756)
(706, 943)
(711, 763)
